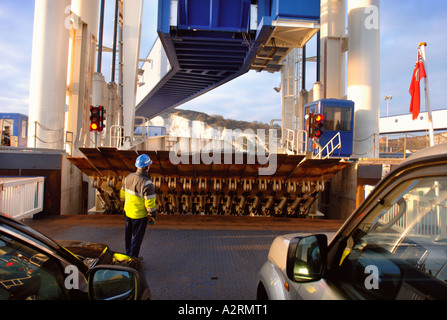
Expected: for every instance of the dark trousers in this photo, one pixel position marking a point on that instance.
(135, 230)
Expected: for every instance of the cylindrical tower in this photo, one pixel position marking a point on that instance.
(364, 74)
(49, 73)
(332, 34)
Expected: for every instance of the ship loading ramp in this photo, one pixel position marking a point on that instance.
(232, 184)
(203, 44)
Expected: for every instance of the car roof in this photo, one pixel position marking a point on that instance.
(439, 150)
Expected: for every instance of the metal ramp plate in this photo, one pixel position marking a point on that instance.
(317, 169)
(110, 162)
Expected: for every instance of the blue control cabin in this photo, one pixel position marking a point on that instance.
(14, 130)
(338, 118)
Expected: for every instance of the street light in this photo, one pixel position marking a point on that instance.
(387, 99)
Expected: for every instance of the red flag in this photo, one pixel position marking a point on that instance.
(415, 88)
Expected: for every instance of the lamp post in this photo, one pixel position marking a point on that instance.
(387, 98)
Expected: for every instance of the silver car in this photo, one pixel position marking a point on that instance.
(394, 246)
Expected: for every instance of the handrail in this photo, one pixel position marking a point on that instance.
(296, 141)
(290, 142)
(330, 147)
(116, 135)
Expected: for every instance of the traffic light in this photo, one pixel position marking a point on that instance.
(96, 118)
(310, 125)
(318, 125)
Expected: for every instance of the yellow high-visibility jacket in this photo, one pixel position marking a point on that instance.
(138, 195)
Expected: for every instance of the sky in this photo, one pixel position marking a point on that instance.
(403, 24)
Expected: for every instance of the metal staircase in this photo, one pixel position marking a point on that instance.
(327, 151)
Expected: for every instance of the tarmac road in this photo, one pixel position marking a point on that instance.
(192, 257)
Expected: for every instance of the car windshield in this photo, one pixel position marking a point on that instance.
(412, 224)
(21, 227)
(27, 274)
(405, 234)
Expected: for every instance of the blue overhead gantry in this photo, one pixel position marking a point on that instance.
(210, 42)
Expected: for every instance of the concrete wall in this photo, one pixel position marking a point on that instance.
(346, 190)
(71, 189)
(342, 194)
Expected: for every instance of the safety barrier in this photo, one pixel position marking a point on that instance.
(21, 198)
(296, 141)
(330, 147)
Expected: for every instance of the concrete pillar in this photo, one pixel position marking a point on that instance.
(333, 48)
(363, 74)
(48, 83)
(131, 54)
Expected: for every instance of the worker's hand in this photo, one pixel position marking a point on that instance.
(151, 221)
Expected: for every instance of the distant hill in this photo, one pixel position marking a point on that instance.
(217, 120)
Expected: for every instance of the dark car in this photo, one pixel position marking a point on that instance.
(394, 246)
(34, 267)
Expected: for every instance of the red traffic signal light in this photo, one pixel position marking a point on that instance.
(314, 125)
(319, 118)
(96, 118)
(318, 125)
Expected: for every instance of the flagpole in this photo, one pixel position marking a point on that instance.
(422, 46)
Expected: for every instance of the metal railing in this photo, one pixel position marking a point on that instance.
(403, 145)
(116, 136)
(45, 138)
(43, 135)
(330, 147)
(296, 141)
(21, 198)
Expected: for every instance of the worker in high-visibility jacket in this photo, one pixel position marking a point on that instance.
(139, 199)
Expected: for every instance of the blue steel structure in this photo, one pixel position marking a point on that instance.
(215, 41)
(338, 118)
(18, 125)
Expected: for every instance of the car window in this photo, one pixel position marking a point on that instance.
(27, 274)
(399, 250)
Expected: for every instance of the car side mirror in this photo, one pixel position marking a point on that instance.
(307, 258)
(113, 283)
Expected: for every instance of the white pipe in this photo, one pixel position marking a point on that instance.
(364, 74)
(48, 73)
(131, 55)
(317, 91)
(88, 11)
